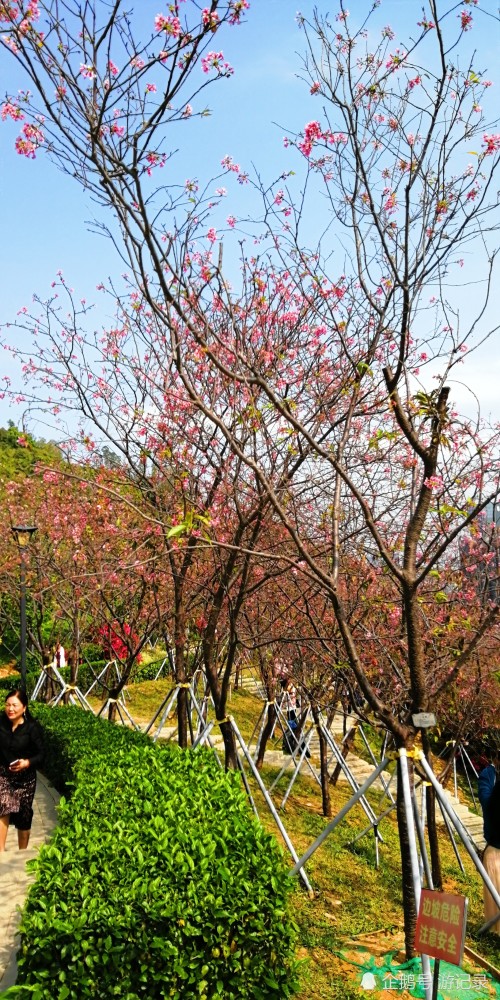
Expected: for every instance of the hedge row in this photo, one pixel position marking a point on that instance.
(158, 881)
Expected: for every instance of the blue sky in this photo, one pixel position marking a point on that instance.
(45, 213)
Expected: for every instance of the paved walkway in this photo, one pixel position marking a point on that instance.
(14, 879)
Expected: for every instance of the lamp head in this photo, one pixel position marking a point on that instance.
(23, 533)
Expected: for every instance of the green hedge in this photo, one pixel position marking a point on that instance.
(148, 671)
(158, 881)
(73, 737)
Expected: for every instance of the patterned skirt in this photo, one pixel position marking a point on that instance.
(17, 792)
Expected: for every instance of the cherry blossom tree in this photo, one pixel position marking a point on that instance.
(327, 372)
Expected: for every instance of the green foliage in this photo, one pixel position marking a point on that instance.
(20, 452)
(148, 671)
(73, 736)
(158, 881)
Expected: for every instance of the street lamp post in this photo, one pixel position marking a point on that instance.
(23, 533)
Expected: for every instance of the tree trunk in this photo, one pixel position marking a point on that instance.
(430, 802)
(74, 654)
(112, 709)
(346, 746)
(182, 698)
(51, 683)
(227, 733)
(237, 675)
(182, 718)
(323, 761)
(409, 902)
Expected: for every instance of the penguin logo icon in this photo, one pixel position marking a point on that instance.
(368, 981)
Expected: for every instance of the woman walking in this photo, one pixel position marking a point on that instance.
(21, 752)
(489, 797)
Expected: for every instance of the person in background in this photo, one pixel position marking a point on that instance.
(21, 753)
(489, 797)
(59, 660)
(291, 700)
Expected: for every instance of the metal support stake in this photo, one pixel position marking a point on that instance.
(166, 706)
(424, 858)
(384, 783)
(412, 843)
(340, 816)
(352, 781)
(23, 618)
(270, 804)
(464, 757)
(304, 751)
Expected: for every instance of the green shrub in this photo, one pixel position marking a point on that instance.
(73, 736)
(14, 681)
(148, 671)
(158, 881)
(6, 683)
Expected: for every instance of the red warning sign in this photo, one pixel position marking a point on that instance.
(441, 923)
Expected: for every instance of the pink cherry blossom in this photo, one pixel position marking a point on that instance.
(236, 10)
(28, 142)
(87, 71)
(9, 110)
(391, 202)
(312, 132)
(170, 25)
(10, 43)
(434, 482)
(215, 60)
(209, 19)
(396, 59)
(227, 163)
(492, 143)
